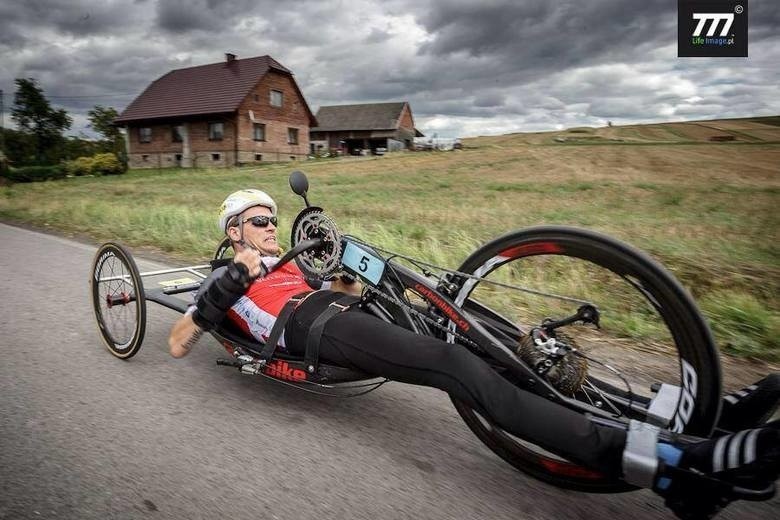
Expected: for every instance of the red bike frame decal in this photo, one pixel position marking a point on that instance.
(569, 470)
(282, 370)
(446, 308)
(531, 249)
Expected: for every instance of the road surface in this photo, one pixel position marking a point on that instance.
(85, 435)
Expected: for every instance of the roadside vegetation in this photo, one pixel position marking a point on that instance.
(708, 211)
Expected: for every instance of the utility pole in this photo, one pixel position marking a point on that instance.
(2, 126)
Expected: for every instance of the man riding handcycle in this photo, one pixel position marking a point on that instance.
(293, 315)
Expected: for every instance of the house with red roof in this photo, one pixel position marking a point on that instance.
(239, 111)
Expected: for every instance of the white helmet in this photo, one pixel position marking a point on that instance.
(241, 200)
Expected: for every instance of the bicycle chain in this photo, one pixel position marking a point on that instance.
(427, 319)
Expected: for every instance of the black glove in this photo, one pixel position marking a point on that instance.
(225, 290)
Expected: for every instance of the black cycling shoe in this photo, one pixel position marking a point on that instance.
(698, 480)
(752, 406)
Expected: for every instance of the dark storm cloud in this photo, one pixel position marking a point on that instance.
(540, 29)
(466, 66)
(73, 17)
(181, 16)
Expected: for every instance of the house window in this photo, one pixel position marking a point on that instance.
(292, 157)
(276, 98)
(145, 158)
(259, 132)
(178, 157)
(292, 136)
(176, 134)
(216, 131)
(257, 98)
(258, 157)
(145, 135)
(215, 157)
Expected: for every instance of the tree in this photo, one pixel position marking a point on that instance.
(101, 120)
(34, 115)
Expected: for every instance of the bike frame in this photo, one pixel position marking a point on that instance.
(484, 327)
(494, 334)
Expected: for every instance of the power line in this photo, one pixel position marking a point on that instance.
(54, 96)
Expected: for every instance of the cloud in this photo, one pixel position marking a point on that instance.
(466, 67)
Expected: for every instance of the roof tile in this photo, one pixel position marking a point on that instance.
(206, 89)
(371, 116)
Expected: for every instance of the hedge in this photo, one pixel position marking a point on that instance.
(98, 164)
(35, 173)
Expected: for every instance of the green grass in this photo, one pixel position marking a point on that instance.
(708, 212)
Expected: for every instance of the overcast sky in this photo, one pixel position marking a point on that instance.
(468, 67)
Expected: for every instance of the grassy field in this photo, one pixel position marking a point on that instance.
(708, 211)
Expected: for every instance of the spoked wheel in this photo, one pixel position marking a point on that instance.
(224, 250)
(118, 300)
(651, 332)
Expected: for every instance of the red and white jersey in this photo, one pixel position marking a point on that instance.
(256, 312)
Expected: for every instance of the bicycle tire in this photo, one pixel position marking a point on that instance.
(224, 249)
(677, 310)
(117, 298)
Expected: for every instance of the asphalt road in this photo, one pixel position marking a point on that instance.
(85, 435)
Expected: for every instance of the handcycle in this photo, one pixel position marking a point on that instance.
(561, 312)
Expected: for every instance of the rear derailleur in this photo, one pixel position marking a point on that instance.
(554, 355)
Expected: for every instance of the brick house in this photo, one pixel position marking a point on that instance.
(223, 114)
(364, 127)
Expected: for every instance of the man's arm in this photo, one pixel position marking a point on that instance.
(213, 303)
(183, 336)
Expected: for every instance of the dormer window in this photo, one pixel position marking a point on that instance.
(276, 98)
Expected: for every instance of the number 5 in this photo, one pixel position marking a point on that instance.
(363, 264)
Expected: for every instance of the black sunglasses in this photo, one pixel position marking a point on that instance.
(261, 221)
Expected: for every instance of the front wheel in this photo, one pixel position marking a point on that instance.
(650, 333)
(118, 300)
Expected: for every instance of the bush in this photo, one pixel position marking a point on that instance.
(98, 164)
(80, 166)
(35, 173)
(106, 164)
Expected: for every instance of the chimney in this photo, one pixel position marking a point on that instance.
(230, 57)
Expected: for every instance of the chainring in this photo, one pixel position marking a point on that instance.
(322, 262)
(567, 374)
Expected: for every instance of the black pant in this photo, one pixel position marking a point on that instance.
(358, 340)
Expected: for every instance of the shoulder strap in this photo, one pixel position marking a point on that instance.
(276, 331)
(311, 358)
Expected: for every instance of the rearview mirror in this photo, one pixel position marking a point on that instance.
(299, 183)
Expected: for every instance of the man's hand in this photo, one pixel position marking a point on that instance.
(347, 285)
(252, 260)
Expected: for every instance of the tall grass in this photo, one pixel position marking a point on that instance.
(707, 212)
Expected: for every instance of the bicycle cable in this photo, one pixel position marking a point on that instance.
(415, 262)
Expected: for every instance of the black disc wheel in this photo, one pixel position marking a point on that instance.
(118, 300)
(650, 333)
(224, 250)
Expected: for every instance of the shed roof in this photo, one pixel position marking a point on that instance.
(206, 89)
(371, 116)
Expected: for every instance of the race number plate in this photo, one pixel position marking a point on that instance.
(364, 264)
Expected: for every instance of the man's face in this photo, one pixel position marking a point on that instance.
(261, 238)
